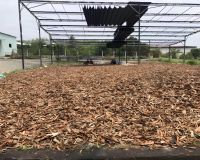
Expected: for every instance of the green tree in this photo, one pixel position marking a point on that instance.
(35, 45)
(155, 53)
(72, 42)
(145, 50)
(132, 48)
(174, 53)
(195, 53)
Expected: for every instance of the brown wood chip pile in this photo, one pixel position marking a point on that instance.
(150, 105)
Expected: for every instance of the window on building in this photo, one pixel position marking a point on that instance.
(10, 45)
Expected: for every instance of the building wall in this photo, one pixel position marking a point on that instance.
(8, 45)
(166, 50)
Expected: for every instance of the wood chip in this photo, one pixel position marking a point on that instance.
(68, 107)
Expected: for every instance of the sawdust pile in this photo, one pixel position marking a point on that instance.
(66, 107)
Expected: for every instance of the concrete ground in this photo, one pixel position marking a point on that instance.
(9, 65)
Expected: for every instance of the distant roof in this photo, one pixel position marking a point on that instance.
(7, 34)
(174, 47)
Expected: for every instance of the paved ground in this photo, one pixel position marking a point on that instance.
(9, 65)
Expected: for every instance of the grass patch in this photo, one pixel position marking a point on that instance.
(177, 61)
(12, 72)
(192, 62)
(20, 70)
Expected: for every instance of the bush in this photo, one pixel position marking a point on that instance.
(192, 62)
(195, 53)
(164, 55)
(163, 60)
(143, 57)
(187, 56)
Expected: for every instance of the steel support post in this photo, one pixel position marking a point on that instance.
(184, 57)
(65, 51)
(119, 56)
(149, 49)
(51, 49)
(21, 33)
(57, 54)
(126, 53)
(169, 53)
(59, 51)
(40, 44)
(139, 47)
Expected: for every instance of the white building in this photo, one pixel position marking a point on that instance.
(165, 50)
(8, 44)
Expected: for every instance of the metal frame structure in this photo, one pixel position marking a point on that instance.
(173, 22)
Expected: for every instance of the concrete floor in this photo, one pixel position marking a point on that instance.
(9, 65)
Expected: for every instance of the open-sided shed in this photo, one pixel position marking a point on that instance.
(105, 22)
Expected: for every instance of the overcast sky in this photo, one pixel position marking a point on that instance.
(9, 20)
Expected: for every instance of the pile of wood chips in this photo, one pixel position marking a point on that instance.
(151, 105)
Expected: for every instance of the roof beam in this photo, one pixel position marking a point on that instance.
(147, 14)
(157, 21)
(108, 3)
(131, 44)
(61, 20)
(177, 42)
(104, 40)
(152, 26)
(57, 12)
(142, 21)
(103, 35)
(85, 31)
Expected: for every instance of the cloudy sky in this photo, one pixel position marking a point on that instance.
(9, 20)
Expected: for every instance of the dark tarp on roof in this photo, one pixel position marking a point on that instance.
(133, 9)
(122, 33)
(115, 44)
(107, 16)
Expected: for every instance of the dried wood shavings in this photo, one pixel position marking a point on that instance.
(152, 105)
